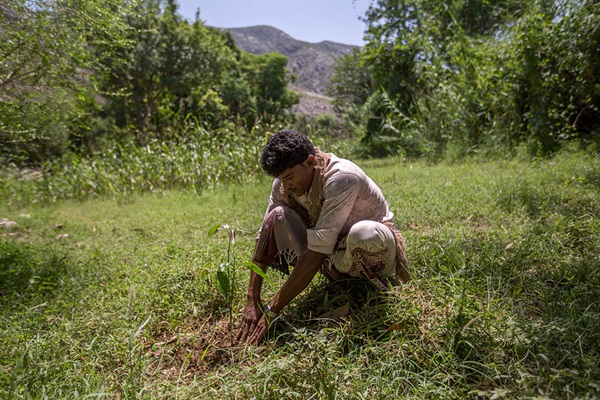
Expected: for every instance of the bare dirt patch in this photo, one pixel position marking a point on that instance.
(195, 349)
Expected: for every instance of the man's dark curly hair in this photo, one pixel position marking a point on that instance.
(285, 149)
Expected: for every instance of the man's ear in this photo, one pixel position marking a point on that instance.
(310, 160)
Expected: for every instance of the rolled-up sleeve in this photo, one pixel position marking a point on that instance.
(339, 196)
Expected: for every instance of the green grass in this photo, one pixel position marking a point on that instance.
(504, 304)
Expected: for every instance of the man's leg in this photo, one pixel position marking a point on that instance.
(370, 253)
(282, 239)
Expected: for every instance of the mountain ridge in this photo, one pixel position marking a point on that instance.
(312, 63)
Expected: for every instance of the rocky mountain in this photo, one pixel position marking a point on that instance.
(312, 63)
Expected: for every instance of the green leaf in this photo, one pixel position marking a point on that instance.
(258, 271)
(223, 283)
(224, 267)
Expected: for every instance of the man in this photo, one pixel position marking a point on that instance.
(324, 214)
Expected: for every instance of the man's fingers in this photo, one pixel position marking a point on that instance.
(241, 334)
(243, 330)
(258, 332)
(247, 327)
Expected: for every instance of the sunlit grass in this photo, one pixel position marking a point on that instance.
(117, 297)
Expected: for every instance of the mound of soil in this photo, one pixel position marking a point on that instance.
(193, 350)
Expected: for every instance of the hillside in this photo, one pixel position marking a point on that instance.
(312, 63)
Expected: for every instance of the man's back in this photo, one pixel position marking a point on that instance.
(347, 196)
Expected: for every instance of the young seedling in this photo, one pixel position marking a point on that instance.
(226, 274)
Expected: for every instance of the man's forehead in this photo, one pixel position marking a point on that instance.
(288, 173)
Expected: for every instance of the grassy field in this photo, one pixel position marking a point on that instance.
(117, 297)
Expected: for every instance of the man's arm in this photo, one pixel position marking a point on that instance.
(255, 285)
(252, 311)
(304, 271)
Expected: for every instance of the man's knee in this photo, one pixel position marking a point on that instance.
(370, 236)
(371, 245)
(283, 214)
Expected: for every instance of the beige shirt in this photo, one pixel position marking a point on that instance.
(349, 196)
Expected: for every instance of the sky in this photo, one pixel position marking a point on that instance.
(307, 20)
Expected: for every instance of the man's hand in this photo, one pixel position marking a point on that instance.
(259, 331)
(255, 328)
(250, 318)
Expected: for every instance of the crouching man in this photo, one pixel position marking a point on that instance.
(324, 214)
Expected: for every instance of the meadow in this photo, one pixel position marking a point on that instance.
(116, 296)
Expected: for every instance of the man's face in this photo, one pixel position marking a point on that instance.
(299, 178)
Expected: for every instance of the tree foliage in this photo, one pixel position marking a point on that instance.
(352, 83)
(481, 74)
(45, 87)
(467, 75)
(78, 73)
(168, 71)
(268, 78)
(556, 77)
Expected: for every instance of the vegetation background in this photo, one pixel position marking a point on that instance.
(127, 133)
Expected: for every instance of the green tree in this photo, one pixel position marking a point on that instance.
(393, 45)
(268, 75)
(406, 36)
(46, 87)
(236, 92)
(168, 72)
(483, 73)
(352, 82)
(556, 73)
